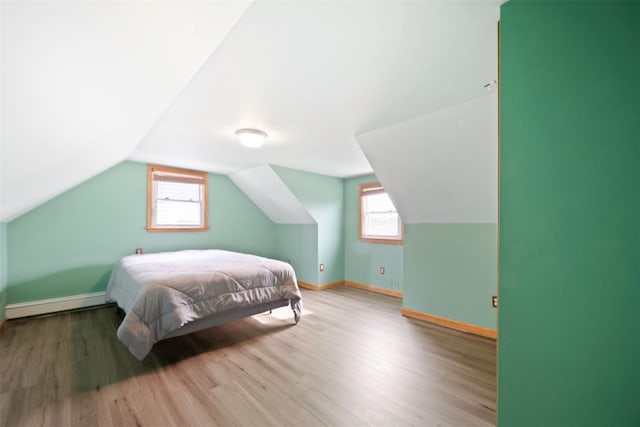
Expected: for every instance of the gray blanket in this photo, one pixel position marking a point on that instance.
(163, 292)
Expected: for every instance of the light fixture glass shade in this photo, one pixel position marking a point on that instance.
(252, 138)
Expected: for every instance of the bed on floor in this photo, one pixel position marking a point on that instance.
(169, 294)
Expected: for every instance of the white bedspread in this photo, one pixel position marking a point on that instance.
(162, 292)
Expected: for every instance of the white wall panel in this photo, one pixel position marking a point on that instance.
(440, 167)
(264, 187)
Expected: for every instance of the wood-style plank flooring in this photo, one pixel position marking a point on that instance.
(353, 360)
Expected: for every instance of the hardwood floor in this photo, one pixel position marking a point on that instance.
(353, 360)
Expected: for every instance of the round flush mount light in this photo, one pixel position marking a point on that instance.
(252, 138)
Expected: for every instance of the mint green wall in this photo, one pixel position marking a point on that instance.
(3, 268)
(569, 341)
(363, 260)
(323, 197)
(68, 245)
(298, 244)
(450, 271)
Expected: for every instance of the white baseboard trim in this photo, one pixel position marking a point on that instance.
(46, 306)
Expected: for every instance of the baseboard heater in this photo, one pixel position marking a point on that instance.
(53, 305)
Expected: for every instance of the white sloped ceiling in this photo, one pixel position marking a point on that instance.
(267, 190)
(83, 82)
(313, 74)
(441, 167)
(86, 85)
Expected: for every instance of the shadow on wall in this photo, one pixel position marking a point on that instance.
(76, 281)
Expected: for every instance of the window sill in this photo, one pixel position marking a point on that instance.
(175, 230)
(383, 241)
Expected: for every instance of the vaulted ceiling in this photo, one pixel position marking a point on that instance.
(86, 85)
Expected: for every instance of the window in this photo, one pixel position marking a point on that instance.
(176, 199)
(379, 220)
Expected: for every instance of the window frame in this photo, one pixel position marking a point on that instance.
(205, 199)
(363, 238)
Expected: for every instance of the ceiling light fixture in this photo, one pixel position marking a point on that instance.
(252, 138)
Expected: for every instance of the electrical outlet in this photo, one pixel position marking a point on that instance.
(494, 301)
(321, 267)
(381, 270)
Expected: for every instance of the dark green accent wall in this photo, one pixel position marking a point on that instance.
(68, 245)
(569, 341)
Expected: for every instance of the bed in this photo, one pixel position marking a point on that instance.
(169, 294)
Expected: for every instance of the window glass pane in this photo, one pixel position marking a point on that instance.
(378, 203)
(178, 191)
(382, 224)
(170, 212)
(177, 199)
(380, 219)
